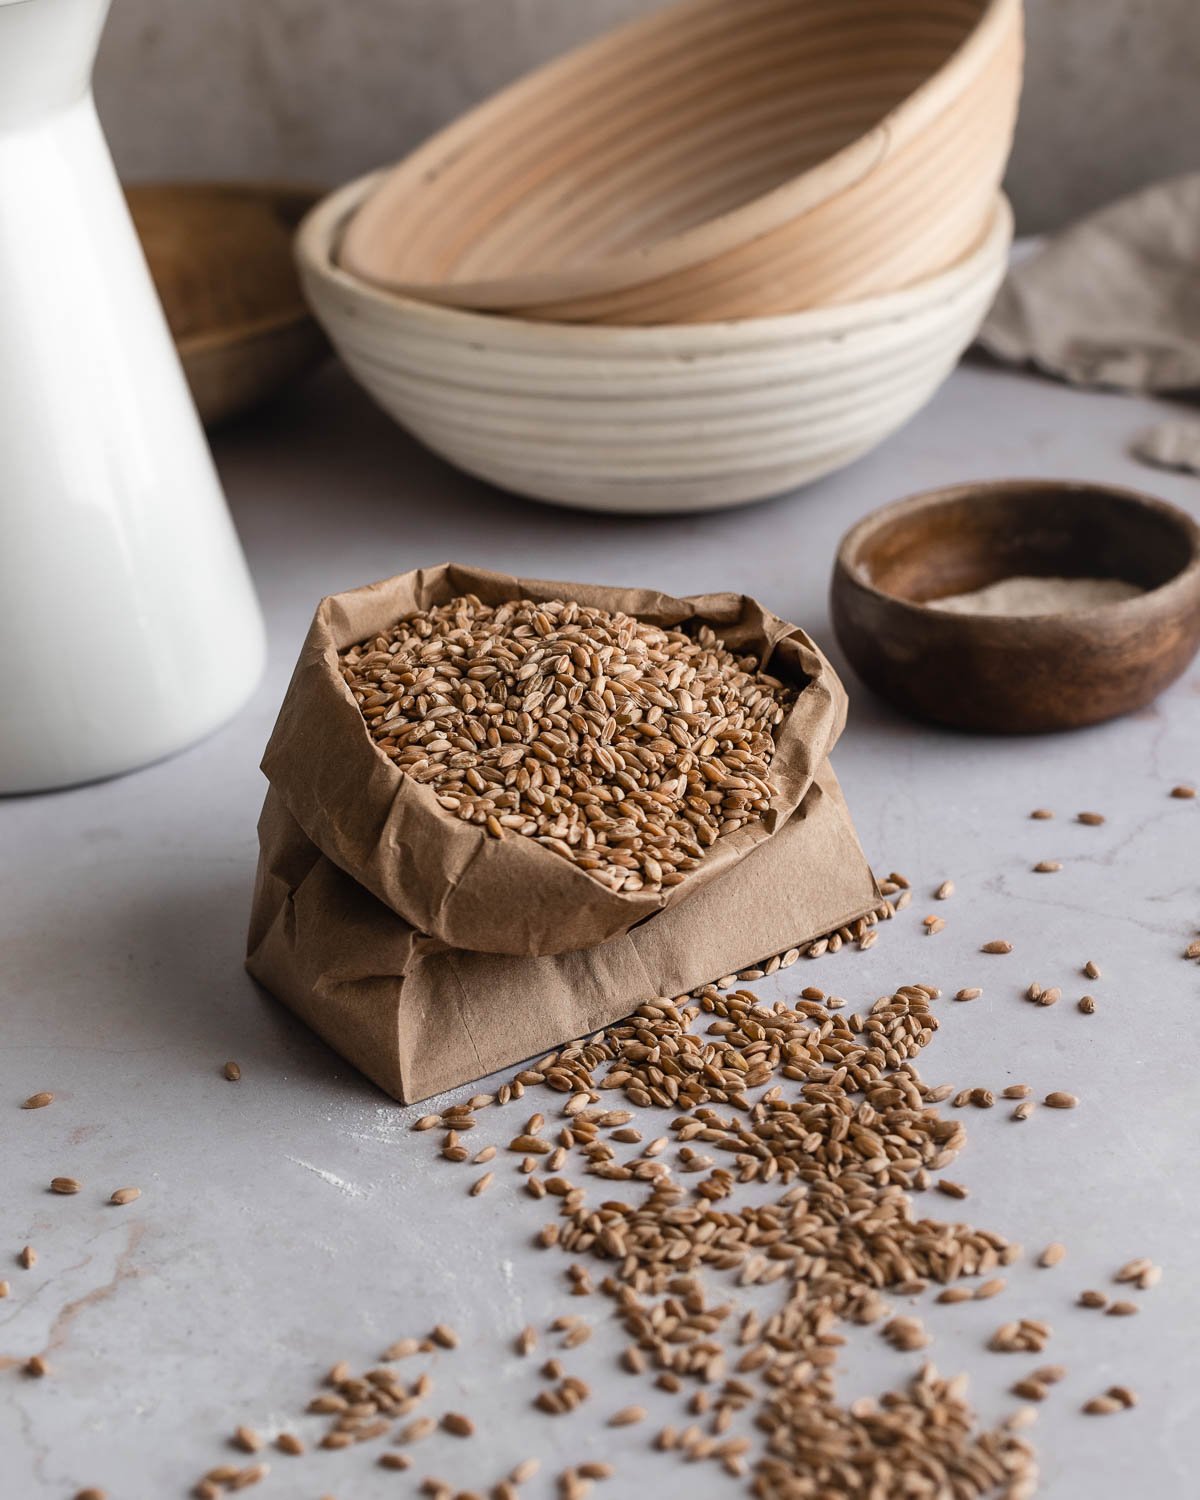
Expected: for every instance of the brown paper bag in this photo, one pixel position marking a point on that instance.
(419, 1017)
(450, 879)
(513, 950)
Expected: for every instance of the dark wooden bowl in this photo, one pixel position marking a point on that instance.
(1012, 674)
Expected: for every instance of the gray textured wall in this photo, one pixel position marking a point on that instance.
(324, 89)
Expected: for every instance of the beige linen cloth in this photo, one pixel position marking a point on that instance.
(1114, 302)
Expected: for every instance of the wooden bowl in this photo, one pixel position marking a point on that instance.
(221, 258)
(649, 420)
(712, 161)
(1013, 674)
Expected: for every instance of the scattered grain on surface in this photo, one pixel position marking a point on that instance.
(1102, 1406)
(628, 1416)
(952, 1189)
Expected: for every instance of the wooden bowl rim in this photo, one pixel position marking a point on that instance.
(321, 229)
(848, 562)
(721, 233)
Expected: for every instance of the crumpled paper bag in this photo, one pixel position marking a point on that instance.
(419, 1012)
(450, 879)
(1114, 300)
(419, 1017)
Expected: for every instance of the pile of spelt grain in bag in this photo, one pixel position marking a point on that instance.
(503, 812)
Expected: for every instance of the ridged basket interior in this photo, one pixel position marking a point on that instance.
(687, 137)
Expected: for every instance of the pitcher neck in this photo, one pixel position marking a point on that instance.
(47, 50)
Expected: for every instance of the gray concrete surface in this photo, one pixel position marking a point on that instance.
(306, 89)
(293, 1219)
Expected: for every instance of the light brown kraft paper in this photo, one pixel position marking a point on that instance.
(419, 1017)
(450, 879)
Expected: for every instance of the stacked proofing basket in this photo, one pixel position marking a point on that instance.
(712, 255)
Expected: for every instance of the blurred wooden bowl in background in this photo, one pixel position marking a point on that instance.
(221, 258)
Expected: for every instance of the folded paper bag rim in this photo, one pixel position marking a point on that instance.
(451, 880)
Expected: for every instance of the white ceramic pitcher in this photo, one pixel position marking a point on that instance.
(128, 623)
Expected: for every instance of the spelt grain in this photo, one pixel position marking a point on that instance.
(1102, 1406)
(628, 1416)
(526, 718)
